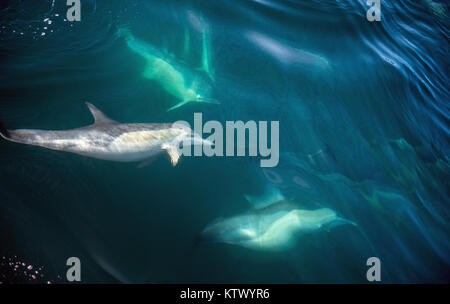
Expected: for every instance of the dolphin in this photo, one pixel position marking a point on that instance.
(288, 55)
(108, 139)
(160, 69)
(272, 227)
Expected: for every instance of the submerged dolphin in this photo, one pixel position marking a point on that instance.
(110, 140)
(166, 74)
(273, 227)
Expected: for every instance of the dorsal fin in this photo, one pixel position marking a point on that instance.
(99, 117)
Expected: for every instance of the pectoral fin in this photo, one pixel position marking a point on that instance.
(173, 152)
(182, 103)
(202, 100)
(148, 161)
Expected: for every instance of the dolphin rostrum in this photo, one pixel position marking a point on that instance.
(110, 140)
(273, 227)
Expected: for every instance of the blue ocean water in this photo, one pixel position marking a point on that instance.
(364, 130)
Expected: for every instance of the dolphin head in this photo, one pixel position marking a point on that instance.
(200, 90)
(186, 136)
(233, 230)
(191, 95)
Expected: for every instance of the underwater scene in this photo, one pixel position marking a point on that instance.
(225, 141)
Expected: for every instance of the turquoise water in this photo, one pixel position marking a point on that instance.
(364, 130)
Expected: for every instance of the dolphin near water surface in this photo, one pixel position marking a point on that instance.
(110, 140)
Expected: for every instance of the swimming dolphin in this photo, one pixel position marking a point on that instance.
(110, 140)
(170, 77)
(273, 227)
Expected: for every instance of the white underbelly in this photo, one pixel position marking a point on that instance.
(128, 156)
(129, 147)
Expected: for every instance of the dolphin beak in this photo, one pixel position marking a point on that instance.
(198, 140)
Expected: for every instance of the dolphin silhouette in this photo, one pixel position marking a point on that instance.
(110, 140)
(168, 75)
(273, 227)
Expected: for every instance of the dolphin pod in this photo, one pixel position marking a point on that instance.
(110, 140)
(186, 85)
(273, 223)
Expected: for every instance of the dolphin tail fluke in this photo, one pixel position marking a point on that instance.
(182, 103)
(4, 132)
